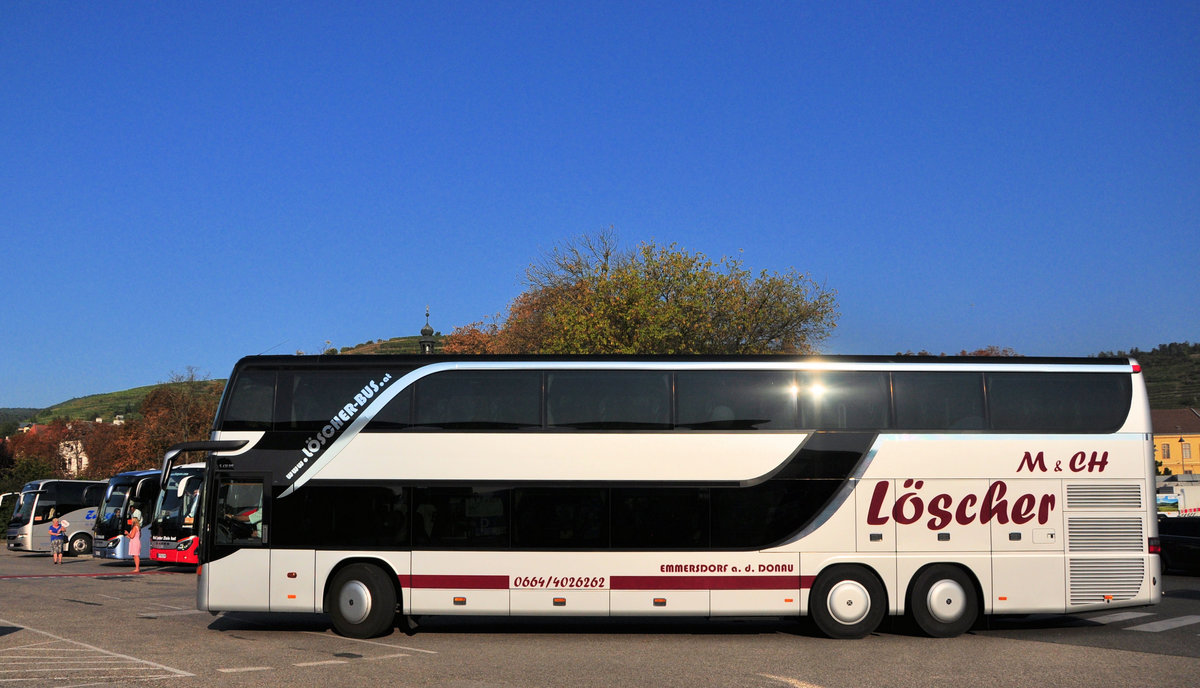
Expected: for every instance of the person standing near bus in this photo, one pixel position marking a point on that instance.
(58, 536)
(135, 512)
(135, 543)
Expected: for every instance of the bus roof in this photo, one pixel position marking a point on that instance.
(816, 361)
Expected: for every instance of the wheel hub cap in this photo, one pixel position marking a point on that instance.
(849, 602)
(947, 601)
(354, 602)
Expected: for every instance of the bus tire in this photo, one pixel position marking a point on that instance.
(361, 601)
(79, 544)
(847, 601)
(944, 602)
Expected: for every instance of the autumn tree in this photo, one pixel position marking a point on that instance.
(181, 410)
(102, 443)
(589, 297)
(43, 446)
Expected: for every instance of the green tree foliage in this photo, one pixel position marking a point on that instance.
(587, 297)
(1172, 373)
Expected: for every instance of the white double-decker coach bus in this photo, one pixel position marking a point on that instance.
(843, 488)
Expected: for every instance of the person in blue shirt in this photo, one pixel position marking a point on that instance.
(58, 537)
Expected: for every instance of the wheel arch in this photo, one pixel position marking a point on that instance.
(848, 600)
(379, 562)
(832, 565)
(910, 585)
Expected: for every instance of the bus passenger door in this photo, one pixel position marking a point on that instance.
(237, 574)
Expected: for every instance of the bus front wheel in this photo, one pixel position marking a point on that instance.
(361, 601)
(943, 601)
(80, 544)
(847, 602)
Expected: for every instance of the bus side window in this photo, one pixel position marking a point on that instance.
(44, 512)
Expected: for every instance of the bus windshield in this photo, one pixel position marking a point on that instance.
(24, 509)
(177, 506)
(110, 513)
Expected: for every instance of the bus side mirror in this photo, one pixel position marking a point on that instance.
(181, 488)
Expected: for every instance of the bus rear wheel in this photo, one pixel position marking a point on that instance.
(361, 601)
(943, 601)
(847, 602)
(80, 544)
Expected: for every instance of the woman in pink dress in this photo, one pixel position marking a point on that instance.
(135, 544)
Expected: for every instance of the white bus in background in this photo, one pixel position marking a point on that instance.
(841, 488)
(39, 501)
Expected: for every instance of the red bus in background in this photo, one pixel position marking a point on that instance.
(172, 536)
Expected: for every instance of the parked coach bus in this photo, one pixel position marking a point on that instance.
(39, 501)
(128, 493)
(842, 488)
(171, 532)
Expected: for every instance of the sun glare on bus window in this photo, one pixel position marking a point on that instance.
(817, 390)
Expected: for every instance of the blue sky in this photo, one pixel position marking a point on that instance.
(183, 184)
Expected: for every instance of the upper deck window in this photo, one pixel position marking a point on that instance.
(844, 401)
(736, 400)
(479, 400)
(939, 401)
(1059, 402)
(251, 403)
(308, 399)
(608, 400)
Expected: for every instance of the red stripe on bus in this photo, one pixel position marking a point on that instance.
(458, 582)
(710, 582)
(469, 582)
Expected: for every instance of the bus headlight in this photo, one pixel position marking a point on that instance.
(112, 544)
(183, 545)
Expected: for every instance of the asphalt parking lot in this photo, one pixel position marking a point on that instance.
(92, 622)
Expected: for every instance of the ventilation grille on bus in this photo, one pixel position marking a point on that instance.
(1095, 581)
(1104, 496)
(1088, 534)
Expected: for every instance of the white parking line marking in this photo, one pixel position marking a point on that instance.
(174, 612)
(1119, 617)
(107, 653)
(327, 661)
(794, 682)
(386, 657)
(240, 669)
(373, 642)
(168, 606)
(1166, 624)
